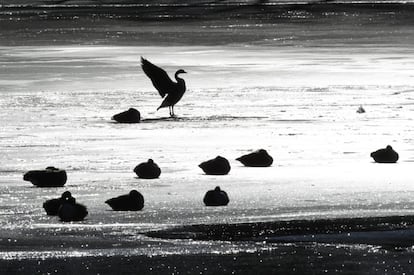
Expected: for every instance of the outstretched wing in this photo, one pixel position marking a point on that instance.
(160, 79)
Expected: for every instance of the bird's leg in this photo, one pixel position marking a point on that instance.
(169, 109)
(172, 111)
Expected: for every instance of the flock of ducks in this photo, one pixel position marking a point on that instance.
(67, 209)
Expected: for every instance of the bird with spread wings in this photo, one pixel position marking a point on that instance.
(169, 90)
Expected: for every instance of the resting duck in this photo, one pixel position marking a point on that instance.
(259, 158)
(147, 170)
(216, 166)
(133, 201)
(216, 197)
(72, 211)
(50, 177)
(386, 155)
(130, 116)
(52, 206)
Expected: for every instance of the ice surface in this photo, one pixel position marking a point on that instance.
(297, 102)
(320, 144)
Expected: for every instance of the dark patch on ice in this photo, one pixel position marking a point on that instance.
(32, 146)
(403, 92)
(335, 230)
(12, 171)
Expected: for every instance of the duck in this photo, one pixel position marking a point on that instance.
(132, 115)
(259, 158)
(216, 197)
(147, 170)
(49, 177)
(70, 210)
(52, 206)
(216, 166)
(133, 201)
(385, 155)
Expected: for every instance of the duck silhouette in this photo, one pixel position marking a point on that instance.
(133, 201)
(259, 158)
(216, 197)
(148, 170)
(52, 206)
(49, 177)
(216, 166)
(171, 91)
(70, 210)
(386, 155)
(132, 115)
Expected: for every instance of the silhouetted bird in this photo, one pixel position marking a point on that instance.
(171, 91)
(387, 155)
(147, 170)
(72, 211)
(259, 158)
(133, 201)
(216, 197)
(361, 110)
(130, 116)
(50, 177)
(217, 166)
(52, 206)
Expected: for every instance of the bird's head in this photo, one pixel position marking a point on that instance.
(134, 193)
(66, 195)
(180, 71)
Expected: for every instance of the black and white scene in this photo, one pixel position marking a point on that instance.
(206, 137)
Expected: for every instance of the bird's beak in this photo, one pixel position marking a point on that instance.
(184, 72)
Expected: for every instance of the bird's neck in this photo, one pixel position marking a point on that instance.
(179, 80)
(177, 77)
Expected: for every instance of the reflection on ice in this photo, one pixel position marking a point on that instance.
(297, 103)
(177, 247)
(137, 226)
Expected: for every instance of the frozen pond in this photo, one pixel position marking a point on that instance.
(297, 100)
